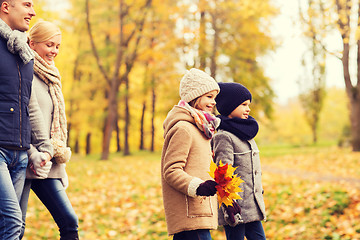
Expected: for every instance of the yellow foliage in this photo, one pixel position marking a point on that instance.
(228, 183)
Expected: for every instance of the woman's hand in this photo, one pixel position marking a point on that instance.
(48, 158)
(39, 164)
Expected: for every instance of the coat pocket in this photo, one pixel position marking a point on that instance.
(7, 119)
(199, 207)
(243, 162)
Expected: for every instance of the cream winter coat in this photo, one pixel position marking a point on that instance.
(41, 91)
(185, 163)
(245, 156)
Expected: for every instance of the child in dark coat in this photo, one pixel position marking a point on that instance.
(234, 144)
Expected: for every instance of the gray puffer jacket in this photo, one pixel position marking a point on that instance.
(245, 156)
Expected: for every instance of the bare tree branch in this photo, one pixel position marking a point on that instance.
(93, 46)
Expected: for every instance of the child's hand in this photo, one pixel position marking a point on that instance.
(232, 213)
(207, 188)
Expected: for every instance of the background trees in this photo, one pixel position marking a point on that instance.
(122, 61)
(127, 58)
(342, 18)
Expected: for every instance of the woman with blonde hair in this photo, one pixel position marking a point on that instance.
(48, 180)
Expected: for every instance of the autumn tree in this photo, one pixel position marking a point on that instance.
(126, 60)
(157, 59)
(350, 34)
(84, 102)
(129, 27)
(312, 81)
(226, 38)
(345, 16)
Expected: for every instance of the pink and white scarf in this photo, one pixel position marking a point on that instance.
(206, 122)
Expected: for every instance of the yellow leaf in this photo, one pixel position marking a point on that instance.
(228, 182)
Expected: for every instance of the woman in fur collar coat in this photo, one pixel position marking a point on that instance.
(190, 207)
(234, 144)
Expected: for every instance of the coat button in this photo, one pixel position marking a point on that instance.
(11, 109)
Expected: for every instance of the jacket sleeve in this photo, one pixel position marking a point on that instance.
(175, 159)
(223, 149)
(39, 138)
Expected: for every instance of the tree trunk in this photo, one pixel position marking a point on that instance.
(127, 119)
(213, 65)
(88, 143)
(152, 148)
(76, 147)
(118, 145)
(141, 146)
(354, 96)
(355, 123)
(110, 121)
(202, 43)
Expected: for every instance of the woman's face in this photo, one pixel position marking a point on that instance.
(242, 111)
(207, 101)
(47, 50)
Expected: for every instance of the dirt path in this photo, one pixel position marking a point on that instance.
(355, 182)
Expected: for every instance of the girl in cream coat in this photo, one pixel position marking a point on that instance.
(190, 207)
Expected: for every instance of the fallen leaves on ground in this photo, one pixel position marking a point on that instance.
(121, 198)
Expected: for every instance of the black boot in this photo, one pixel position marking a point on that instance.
(70, 236)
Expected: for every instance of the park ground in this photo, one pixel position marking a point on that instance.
(310, 193)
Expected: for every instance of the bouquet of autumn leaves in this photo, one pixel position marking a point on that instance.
(228, 183)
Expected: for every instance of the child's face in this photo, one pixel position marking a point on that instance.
(207, 101)
(242, 111)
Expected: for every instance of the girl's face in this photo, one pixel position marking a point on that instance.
(206, 102)
(242, 111)
(47, 50)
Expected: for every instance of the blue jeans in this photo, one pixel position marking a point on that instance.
(252, 231)
(52, 194)
(200, 234)
(12, 177)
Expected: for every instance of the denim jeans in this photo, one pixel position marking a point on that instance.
(52, 194)
(200, 234)
(12, 176)
(252, 231)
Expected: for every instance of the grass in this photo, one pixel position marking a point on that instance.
(288, 149)
(121, 198)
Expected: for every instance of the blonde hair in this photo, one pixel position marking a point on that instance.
(43, 31)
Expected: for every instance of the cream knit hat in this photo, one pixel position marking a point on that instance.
(196, 83)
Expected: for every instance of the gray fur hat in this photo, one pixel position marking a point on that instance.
(196, 83)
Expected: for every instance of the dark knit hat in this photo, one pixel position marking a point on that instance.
(231, 95)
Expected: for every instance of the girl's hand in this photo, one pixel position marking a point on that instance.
(207, 188)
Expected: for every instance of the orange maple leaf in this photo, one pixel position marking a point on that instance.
(228, 182)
